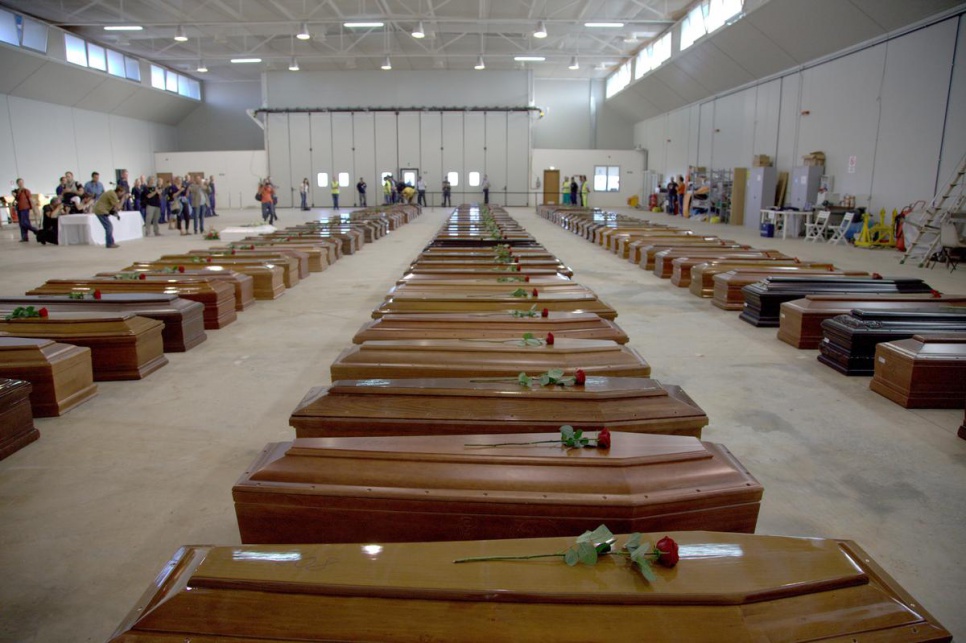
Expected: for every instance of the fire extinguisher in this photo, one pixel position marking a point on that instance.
(897, 231)
(652, 201)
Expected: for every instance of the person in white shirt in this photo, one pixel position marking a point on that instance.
(421, 192)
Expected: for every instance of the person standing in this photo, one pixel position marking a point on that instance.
(211, 195)
(335, 193)
(486, 189)
(266, 195)
(304, 193)
(672, 196)
(94, 186)
(565, 191)
(24, 202)
(107, 206)
(573, 190)
(361, 189)
(387, 189)
(420, 191)
(151, 198)
(199, 203)
(447, 190)
(682, 188)
(584, 190)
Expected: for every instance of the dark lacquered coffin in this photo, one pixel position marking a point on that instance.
(17, 428)
(60, 374)
(703, 275)
(489, 326)
(218, 297)
(184, 325)
(446, 406)
(243, 284)
(924, 371)
(800, 320)
(123, 346)
(664, 260)
(763, 299)
(429, 488)
(850, 340)
(726, 587)
(464, 302)
(484, 358)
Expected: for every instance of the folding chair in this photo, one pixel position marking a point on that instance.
(839, 233)
(817, 230)
(954, 248)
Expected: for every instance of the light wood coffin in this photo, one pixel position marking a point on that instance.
(350, 241)
(331, 249)
(800, 320)
(267, 280)
(489, 326)
(298, 260)
(636, 249)
(17, 428)
(481, 358)
(664, 260)
(728, 286)
(471, 273)
(924, 371)
(217, 297)
(649, 253)
(681, 266)
(317, 254)
(446, 406)
(430, 488)
(512, 280)
(404, 303)
(525, 265)
(184, 325)
(702, 274)
(739, 588)
(243, 284)
(123, 346)
(290, 270)
(476, 288)
(61, 374)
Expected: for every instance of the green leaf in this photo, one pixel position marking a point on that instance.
(601, 534)
(555, 373)
(566, 433)
(633, 542)
(524, 379)
(646, 571)
(544, 379)
(527, 336)
(587, 553)
(570, 557)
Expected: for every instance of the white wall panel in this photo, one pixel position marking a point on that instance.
(570, 162)
(38, 128)
(452, 150)
(278, 156)
(694, 133)
(656, 145)
(954, 139)
(342, 158)
(430, 141)
(236, 172)
(387, 158)
(768, 98)
(734, 129)
(518, 158)
(408, 137)
(496, 161)
(788, 155)
(94, 151)
(132, 144)
(8, 160)
(300, 158)
(474, 138)
(678, 123)
(320, 142)
(706, 138)
(364, 140)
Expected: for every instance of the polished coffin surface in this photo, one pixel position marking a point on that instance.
(266, 254)
(61, 374)
(476, 288)
(800, 320)
(317, 255)
(17, 428)
(495, 358)
(184, 325)
(461, 302)
(427, 488)
(489, 326)
(218, 298)
(728, 289)
(290, 270)
(123, 346)
(664, 260)
(243, 284)
(645, 249)
(681, 266)
(924, 371)
(726, 586)
(268, 280)
(702, 274)
(444, 406)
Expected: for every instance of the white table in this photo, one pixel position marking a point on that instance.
(790, 221)
(85, 229)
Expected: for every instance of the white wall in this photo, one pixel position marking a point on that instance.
(220, 122)
(43, 140)
(236, 172)
(577, 116)
(571, 162)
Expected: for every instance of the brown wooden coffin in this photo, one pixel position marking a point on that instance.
(271, 255)
(290, 270)
(267, 280)
(243, 284)
(482, 358)
(17, 428)
(649, 253)
(636, 249)
(483, 265)
(925, 371)
(485, 278)
(681, 266)
(330, 248)
(218, 297)
(664, 266)
(478, 287)
(446, 406)
(431, 488)
(800, 320)
(702, 274)
(184, 325)
(350, 241)
(316, 254)
(726, 587)
(464, 273)
(123, 346)
(61, 374)
(728, 285)
(489, 326)
(405, 303)
(625, 243)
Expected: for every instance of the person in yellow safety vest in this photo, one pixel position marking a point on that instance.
(584, 190)
(387, 189)
(565, 191)
(335, 194)
(409, 193)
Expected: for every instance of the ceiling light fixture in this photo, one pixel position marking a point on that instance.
(202, 68)
(294, 64)
(419, 32)
(180, 35)
(362, 25)
(541, 31)
(529, 59)
(303, 33)
(387, 64)
(574, 64)
(246, 60)
(604, 25)
(479, 63)
(123, 28)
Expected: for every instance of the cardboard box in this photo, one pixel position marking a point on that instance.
(815, 158)
(761, 160)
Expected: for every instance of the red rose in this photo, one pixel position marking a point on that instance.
(180, 268)
(97, 294)
(142, 276)
(518, 268)
(667, 551)
(580, 377)
(233, 251)
(251, 247)
(43, 312)
(936, 294)
(535, 292)
(545, 312)
(527, 279)
(603, 442)
(876, 275)
(209, 259)
(549, 339)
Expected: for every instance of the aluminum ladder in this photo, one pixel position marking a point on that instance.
(927, 223)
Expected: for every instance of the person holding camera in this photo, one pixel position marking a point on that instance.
(107, 206)
(151, 196)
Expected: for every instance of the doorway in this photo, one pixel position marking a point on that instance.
(551, 187)
(409, 175)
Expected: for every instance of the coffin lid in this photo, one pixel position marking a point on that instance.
(7, 386)
(491, 346)
(911, 297)
(941, 338)
(59, 318)
(548, 296)
(595, 388)
(491, 317)
(117, 298)
(8, 343)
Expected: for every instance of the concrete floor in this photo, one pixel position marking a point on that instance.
(90, 512)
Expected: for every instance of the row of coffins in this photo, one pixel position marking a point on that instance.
(67, 334)
(814, 305)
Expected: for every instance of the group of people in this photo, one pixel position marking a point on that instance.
(184, 203)
(675, 194)
(399, 191)
(575, 190)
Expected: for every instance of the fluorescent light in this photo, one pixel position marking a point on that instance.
(574, 64)
(529, 59)
(419, 32)
(294, 64)
(123, 28)
(479, 63)
(246, 60)
(387, 64)
(202, 68)
(541, 31)
(303, 33)
(362, 25)
(179, 35)
(604, 25)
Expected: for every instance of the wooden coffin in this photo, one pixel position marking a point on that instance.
(464, 273)
(924, 371)
(431, 488)
(60, 374)
(800, 320)
(479, 287)
(123, 346)
(300, 260)
(484, 265)
(290, 271)
(446, 406)
(536, 252)
(217, 297)
(635, 251)
(330, 249)
(350, 240)
(725, 587)
(485, 278)
(243, 284)
(850, 340)
(649, 252)
(444, 239)
(318, 254)
(681, 266)
(482, 358)
(702, 274)
(612, 238)
(728, 286)
(461, 302)
(184, 325)
(625, 243)
(763, 299)
(267, 280)
(664, 260)
(17, 428)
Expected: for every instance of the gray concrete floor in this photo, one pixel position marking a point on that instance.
(90, 512)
